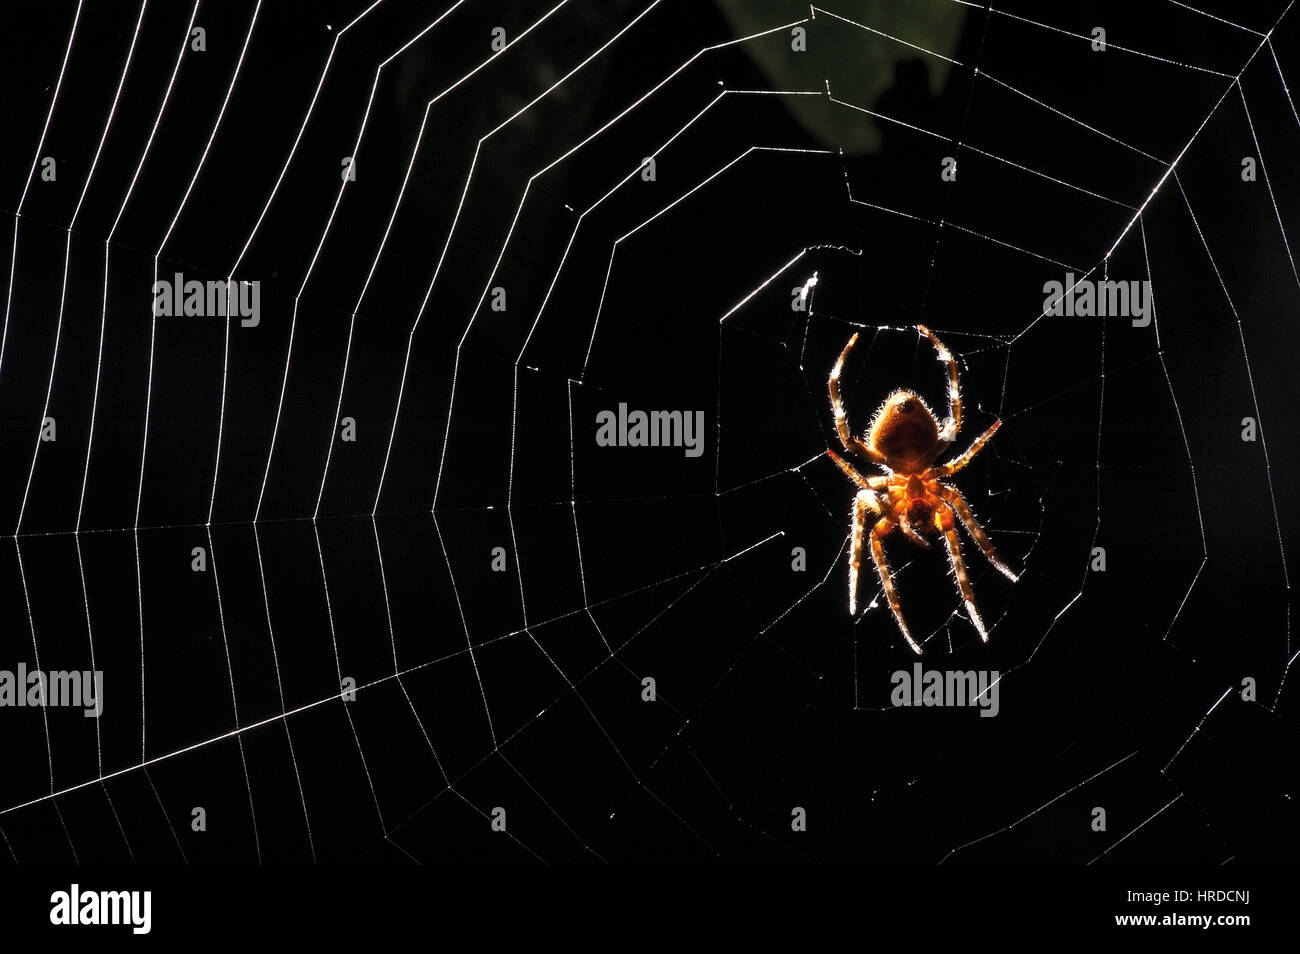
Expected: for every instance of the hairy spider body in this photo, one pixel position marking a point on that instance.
(905, 438)
(905, 431)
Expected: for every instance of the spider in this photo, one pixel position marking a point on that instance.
(905, 439)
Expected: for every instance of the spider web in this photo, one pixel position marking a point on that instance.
(518, 175)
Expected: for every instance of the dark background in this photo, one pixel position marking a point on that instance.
(629, 563)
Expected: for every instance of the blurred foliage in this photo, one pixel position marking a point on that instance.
(864, 63)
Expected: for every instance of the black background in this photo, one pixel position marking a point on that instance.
(770, 695)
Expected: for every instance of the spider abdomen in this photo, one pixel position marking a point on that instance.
(906, 432)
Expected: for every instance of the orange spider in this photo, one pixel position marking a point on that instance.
(905, 439)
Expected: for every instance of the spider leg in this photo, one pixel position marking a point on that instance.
(943, 519)
(866, 483)
(950, 429)
(865, 502)
(878, 532)
(957, 463)
(958, 503)
(850, 442)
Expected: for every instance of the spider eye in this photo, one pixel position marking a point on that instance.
(907, 406)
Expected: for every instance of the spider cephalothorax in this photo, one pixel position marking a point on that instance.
(905, 439)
